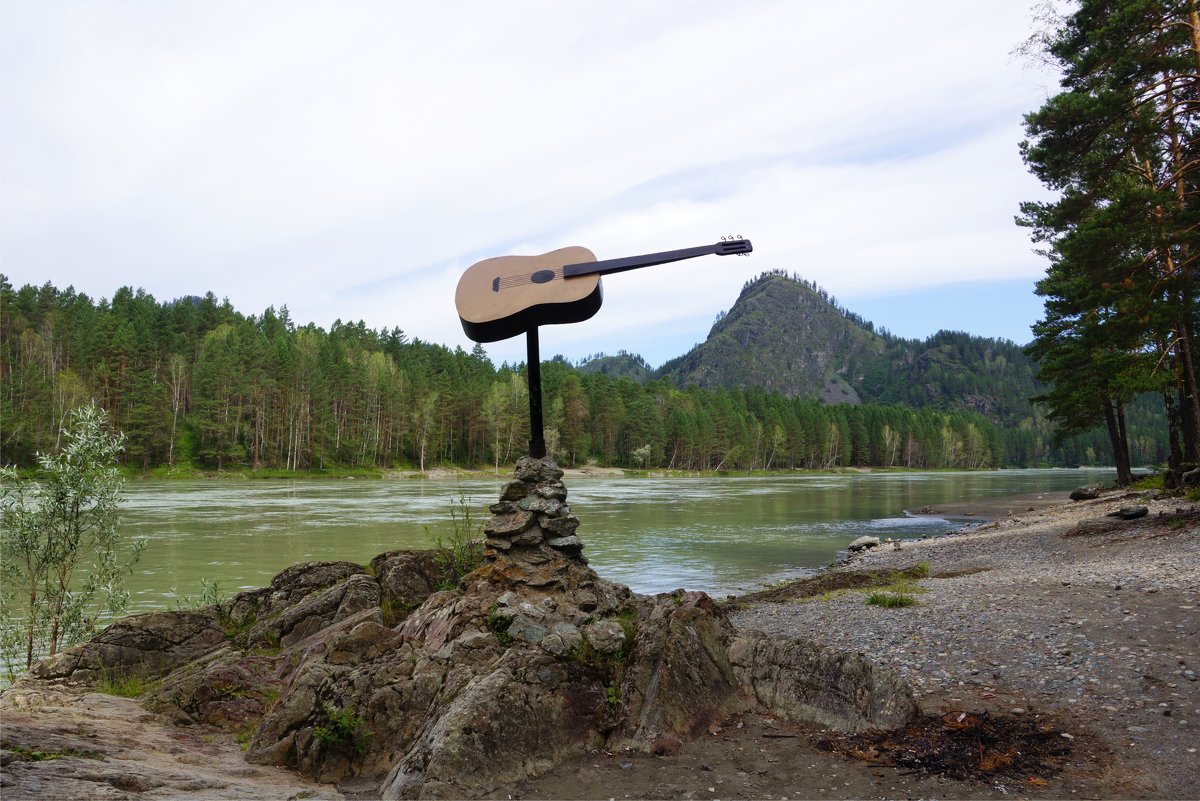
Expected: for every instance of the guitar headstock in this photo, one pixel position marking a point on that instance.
(734, 245)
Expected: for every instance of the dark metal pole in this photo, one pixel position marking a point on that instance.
(533, 370)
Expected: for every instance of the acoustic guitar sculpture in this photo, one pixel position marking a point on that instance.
(501, 297)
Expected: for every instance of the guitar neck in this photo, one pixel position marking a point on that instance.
(650, 259)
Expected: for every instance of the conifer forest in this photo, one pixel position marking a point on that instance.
(195, 383)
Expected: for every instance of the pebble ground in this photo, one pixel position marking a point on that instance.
(1033, 611)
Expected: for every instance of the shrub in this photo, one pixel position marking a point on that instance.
(342, 730)
(62, 572)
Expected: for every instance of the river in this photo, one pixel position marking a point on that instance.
(718, 534)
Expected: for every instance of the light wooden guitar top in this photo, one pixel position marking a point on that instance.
(499, 297)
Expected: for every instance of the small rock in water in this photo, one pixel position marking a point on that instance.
(863, 544)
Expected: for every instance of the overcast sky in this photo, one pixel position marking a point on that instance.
(350, 159)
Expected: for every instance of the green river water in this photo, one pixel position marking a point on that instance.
(718, 534)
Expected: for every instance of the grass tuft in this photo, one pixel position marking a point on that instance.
(498, 624)
(125, 686)
(890, 600)
(34, 755)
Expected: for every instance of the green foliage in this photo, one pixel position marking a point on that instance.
(498, 624)
(126, 685)
(342, 731)
(243, 737)
(210, 595)
(64, 561)
(1118, 147)
(901, 589)
(903, 586)
(236, 628)
(835, 583)
(460, 550)
(33, 755)
(201, 387)
(890, 600)
(388, 611)
(627, 617)
(613, 662)
(1151, 481)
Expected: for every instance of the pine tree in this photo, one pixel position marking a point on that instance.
(1119, 144)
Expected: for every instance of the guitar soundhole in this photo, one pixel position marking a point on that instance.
(542, 276)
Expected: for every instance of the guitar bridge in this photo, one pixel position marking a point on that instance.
(496, 284)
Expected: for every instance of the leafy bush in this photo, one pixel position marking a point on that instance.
(342, 730)
(54, 529)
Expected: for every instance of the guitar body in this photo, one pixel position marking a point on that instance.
(508, 295)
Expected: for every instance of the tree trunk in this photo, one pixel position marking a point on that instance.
(1194, 27)
(1189, 398)
(1174, 453)
(1125, 466)
(1120, 457)
(29, 628)
(1179, 269)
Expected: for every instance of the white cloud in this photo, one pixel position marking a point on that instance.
(349, 160)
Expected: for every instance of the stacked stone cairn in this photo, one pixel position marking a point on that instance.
(532, 530)
(548, 596)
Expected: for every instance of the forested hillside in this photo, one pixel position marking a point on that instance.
(789, 335)
(783, 335)
(195, 382)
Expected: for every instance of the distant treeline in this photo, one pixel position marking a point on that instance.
(195, 382)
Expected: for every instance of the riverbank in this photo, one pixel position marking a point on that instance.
(1054, 620)
(483, 472)
(982, 510)
(1063, 611)
(1059, 621)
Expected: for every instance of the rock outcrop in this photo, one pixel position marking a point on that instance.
(342, 672)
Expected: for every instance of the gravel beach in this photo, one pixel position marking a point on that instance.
(1061, 609)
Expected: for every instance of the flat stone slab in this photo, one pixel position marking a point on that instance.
(106, 746)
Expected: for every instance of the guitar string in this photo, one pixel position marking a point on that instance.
(516, 280)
